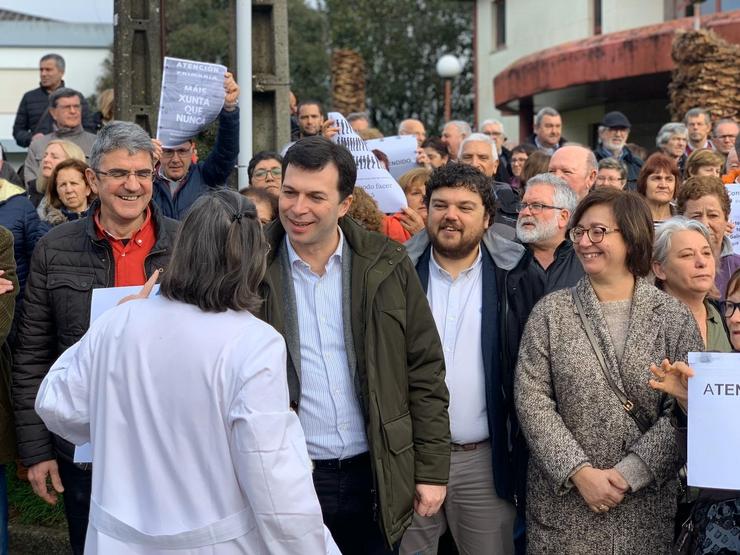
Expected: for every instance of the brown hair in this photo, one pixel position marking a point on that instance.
(656, 163)
(365, 210)
(701, 158)
(257, 195)
(538, 162)
(695, 188)
(52, 196)
(734, 283)
(417, 176)
(633, 219)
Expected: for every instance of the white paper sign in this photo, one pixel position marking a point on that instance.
(734, 192)
(102, 300)
(371, 176)
(191, 98)
(400, 150)
(714, 414)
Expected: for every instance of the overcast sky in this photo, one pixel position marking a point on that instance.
(82, 11)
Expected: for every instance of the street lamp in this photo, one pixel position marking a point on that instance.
(448, 67)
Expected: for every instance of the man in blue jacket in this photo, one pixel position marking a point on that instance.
(179, 180)
(481, 289)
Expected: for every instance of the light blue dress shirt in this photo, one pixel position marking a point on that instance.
(330, 411)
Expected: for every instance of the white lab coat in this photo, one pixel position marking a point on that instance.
(194, 447)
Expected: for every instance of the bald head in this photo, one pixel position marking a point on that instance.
(413, 127)
(577, 166)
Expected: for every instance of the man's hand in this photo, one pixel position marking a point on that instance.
(145, 291)
(157, 144)
(428, 499)
(231, 99)
(37, 476)
(597, 490)
(329, 128)
(6, 286)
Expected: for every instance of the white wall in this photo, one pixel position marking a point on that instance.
(534, 25)
(19, 73)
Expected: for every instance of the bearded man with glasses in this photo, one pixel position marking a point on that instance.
(541, 226)
(180, 179)
(123, 241)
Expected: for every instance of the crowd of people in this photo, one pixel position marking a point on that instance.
(498, 367)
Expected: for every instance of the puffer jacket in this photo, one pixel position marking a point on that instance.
(33, 116)
(400, 367)
(69, 262)
(55, 216)
(20, 217)
(203, 176)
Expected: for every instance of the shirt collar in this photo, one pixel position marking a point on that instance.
(104, 234)
(440, 271)
(294, 258)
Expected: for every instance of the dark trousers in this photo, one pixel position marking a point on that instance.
(77, 489)
(345, 492)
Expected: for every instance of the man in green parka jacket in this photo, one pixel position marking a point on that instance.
(365, 363)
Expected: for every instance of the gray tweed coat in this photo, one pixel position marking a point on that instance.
(570, 416)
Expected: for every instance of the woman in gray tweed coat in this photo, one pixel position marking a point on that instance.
(596, 482)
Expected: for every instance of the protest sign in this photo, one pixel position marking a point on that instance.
(103, 300)
(192, 97)
(714, 411)
(371, 176)
(400, 150)
(734, 192)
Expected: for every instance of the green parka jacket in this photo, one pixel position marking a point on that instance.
(400, 367)
(7, 307)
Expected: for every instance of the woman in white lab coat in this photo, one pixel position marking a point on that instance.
(185, 400)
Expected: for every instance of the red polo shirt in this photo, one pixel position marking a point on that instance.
(129, 254)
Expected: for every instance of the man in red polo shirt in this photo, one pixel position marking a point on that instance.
(125, 240)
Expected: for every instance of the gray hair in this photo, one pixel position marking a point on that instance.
(63, 92)
(222, 238)
(119, 135)
(694, 112)
(490, 122)
(664, 233)
(722, 121)
(355, 116)
(611, 163)
(546, 111)
(478, 138)
(668, 131)
(58, 60)
(563, 196)
(462, 126)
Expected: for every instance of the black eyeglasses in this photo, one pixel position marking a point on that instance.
(276, 172)
(728, 308)
(122, 175)
(535, 207)
(595, 234)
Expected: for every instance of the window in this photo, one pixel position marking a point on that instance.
(498, 25)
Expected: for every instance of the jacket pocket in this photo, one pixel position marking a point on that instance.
(399, 434)
(70, 295)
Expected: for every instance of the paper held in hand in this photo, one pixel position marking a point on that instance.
(191, 98)
(400, 150)
(734, 192)
(102, 300)
(714, 413)
(371, 176)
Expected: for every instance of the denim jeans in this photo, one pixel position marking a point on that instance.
(347, 503)
(77, 484)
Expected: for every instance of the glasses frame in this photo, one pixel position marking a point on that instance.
(129, 173)
(182, 153)
(271, 171)
(580, 230)
(723, 305)
(521, 206)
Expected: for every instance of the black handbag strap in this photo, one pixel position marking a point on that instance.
(629, 406)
